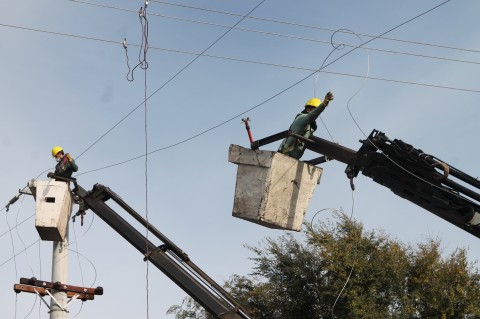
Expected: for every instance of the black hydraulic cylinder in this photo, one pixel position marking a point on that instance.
(462, 189)
(452, 170)
(464, 177)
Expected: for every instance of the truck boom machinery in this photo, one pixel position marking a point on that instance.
(423, 179)
(407, 171)
(167, 257)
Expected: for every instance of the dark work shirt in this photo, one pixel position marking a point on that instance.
(64, 168)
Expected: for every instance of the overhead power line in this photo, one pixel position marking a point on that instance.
(238, 60)
(173, 77)
(17, 225)
(58, 33)
(224, 58)
(19, 252)
(256, 106)
(285, 35)
(275, 95)
(311, 26)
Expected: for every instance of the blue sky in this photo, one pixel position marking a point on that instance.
(67, 86)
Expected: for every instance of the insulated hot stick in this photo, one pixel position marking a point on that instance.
(247, 126)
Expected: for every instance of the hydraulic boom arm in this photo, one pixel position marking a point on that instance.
(170, 259)
(408, 172)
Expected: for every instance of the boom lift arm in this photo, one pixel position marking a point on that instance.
(168, 258)
(410, 173)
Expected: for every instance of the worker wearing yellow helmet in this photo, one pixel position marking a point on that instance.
(66, 164)
(304, 125)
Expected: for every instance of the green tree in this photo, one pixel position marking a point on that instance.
(339, 270)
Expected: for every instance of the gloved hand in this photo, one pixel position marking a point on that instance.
(69, 157)
(328, 98)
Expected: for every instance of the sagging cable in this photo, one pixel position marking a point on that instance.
(142, 61)
(341, 46)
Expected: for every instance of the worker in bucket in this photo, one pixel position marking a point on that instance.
(304, 125)
(66, 164)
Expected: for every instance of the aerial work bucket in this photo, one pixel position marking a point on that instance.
(53, 206)
(272, 189)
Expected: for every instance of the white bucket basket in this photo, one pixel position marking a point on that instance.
(272, 189)
(53, 206)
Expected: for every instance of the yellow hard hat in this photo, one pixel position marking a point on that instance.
(56, 149)
(315, 102)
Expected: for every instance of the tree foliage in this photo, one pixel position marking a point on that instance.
(339, 270)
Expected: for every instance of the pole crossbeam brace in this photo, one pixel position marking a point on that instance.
(45, 291)
(57, 303)
(61, 287)
(210, 296)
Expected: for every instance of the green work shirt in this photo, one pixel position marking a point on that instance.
(301, 126)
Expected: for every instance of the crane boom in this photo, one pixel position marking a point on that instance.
(168, 258)
(407, 171)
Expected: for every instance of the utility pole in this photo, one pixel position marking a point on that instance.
(53, 209)
(59, 274)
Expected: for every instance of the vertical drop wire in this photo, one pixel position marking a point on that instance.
(144, 65)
